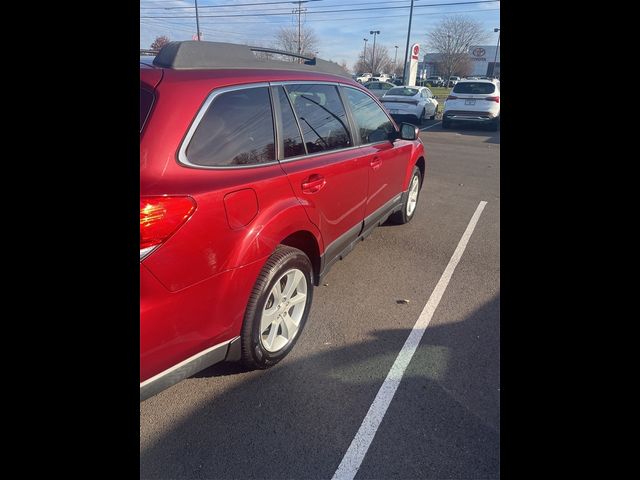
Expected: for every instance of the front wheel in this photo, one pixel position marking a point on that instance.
(408, 211)
(277, 309)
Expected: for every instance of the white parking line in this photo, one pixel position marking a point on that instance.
(358, 449)
(430, 126)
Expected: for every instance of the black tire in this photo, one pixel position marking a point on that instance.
(401, 217)
(445, 123)
(493, 126)
(421, 118)
(435, 112)
(254, 355)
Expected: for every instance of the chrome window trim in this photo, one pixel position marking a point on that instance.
(182, 152)
(182, 156)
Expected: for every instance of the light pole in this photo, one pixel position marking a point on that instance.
(364, 54)
(495, 58)
(197, 21)
(373, 52)
(406, 52)
(395, 61)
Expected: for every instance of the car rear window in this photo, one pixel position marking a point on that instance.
(236, 130)
(403, 91)
(146, 100)
(477, 88)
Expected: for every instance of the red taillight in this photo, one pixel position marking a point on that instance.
(493, 99)
(452, 97)
(160, 217)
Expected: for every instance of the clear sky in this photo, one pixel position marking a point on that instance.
(340, 31)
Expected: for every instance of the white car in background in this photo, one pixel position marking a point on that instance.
(475, 101)
(417, 102)
(365, 77)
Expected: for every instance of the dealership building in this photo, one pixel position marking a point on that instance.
(483, 59)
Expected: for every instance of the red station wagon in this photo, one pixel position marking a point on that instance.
(256, 176)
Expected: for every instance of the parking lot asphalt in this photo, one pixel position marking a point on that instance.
(298, 419)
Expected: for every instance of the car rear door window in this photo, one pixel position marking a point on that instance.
(237, 129)
(292, 143)
(373, 124)
(321, 116)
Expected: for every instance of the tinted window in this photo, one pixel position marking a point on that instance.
(373, 86)
(236, 130)
(321, 116)
(373, 124)
(387, 86)
(479, 88)
(291, 138)
(146, 100)
(403, 91)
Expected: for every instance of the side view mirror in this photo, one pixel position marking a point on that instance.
(409, 131)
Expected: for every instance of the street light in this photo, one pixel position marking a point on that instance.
(395, 66)
(495, 58)
(364, 54)
(373, 52)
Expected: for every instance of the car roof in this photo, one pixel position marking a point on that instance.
(207, 56)
(481, 80)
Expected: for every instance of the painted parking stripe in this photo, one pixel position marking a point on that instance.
(430, 126)
(357, 450)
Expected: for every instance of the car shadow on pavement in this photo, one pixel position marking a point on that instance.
(475, 130)
(292, 421)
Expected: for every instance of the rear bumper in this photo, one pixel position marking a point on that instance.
(469, 116)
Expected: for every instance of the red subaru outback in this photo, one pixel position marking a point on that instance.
(257, 175)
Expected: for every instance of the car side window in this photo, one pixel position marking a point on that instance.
(292, 143)
(373, 124)
(321, 116)
(237, 129)
(387, 86)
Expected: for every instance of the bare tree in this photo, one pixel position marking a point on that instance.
(452, 39)
(343, 64)
(287, 40)
(159, 42)
(375, 62)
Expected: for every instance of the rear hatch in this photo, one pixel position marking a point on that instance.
(400, 99)
(472, 97)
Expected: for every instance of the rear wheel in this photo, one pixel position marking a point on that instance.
(445, 123)
(421, 117)
(435, 112)
(493, 126)
(277, 309)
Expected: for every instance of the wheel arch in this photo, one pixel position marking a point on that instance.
(305, 241)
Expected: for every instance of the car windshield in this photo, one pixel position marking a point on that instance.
(479, 88)
(403, 91)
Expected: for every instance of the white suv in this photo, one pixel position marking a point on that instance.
(473, 101)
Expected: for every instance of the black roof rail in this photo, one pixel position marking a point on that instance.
(147, 52)
(194, 55)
